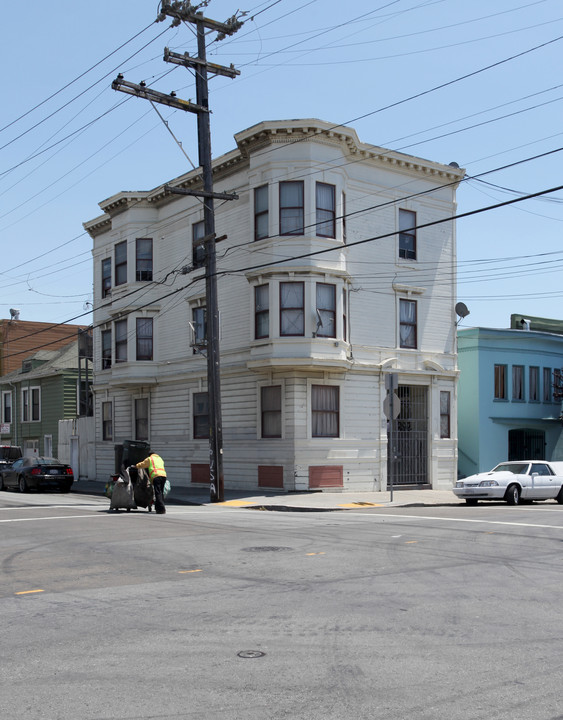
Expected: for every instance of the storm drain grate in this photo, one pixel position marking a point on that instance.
(267, 548)
(250, 654)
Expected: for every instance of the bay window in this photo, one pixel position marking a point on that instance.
(292, 208)
(292, 311)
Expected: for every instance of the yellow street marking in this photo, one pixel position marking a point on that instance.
(361, 504)
(319, 553)
(28, 592)
(183, 572)
(411, 542)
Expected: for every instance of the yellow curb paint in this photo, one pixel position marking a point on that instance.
(235, 503)
(183, 572)
(361, 504)
(28, 592)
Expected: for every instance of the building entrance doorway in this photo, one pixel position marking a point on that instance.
(411, 438)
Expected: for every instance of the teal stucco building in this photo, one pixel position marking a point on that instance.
(509, 393)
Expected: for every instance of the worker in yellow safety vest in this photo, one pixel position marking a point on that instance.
(157, 475)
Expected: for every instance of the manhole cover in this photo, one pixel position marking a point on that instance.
(250, 654)
(267, 548)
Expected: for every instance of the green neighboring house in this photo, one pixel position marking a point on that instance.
(35, 397)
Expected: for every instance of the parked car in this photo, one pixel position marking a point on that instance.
(9, 454)
(35, 473)
(514, 481)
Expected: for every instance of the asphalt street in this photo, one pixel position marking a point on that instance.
(449, 612)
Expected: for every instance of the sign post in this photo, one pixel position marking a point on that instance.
(392, 409)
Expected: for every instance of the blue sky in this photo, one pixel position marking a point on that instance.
(476, 83)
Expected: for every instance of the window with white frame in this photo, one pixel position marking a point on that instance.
(534, 384)
(144, 338)
(292, 309)
(107, 420)
(121, 341)
(407, 323)
(142, 418)
(325, 411)
(198, 246)
(407, 235)
(344, 315)
(261, 311)
(121, 263)
(143, 259)
(199, 323)
(326, 210)
(344, 230)
(518, 382)
(106, 277)
(292, 207)
(271, 411)
(326, 310)
(445, 414)
(261, 215)
(31, 404)
(7, 406)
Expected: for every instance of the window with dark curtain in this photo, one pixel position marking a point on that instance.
(106, 277)
(270, 402)
(292, 208)
(143, 259)
(106, 349)
(121, 263)
(261, 311)
(201, 415)
(144, 339)
(198, 246)
(517, 382)
(500, 382)
(325, 410)
(547, 391)
(326, 210)
(407, 320)
(292, 313)
(326, 310)
(534, 384)
(199, 322)
(107, 421)
(261, 218)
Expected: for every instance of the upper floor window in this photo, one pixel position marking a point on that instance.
(408, 323)
(407, 234)
(198, 246)
(326, 310)
(106, 277)
(143, 259)
(344, 315)
(325, 410)
(121, 263)
(500, 382)
(292, 312)
(326, 210)
(534, 389)
(6, 406)
(141, 418)
(292, 208)
(201, 415)
(445, 413)
(261, 219)
(199, 323)
(344, 230)
(107, 421)
(121, 341)
(106, 349)
(270, 404)
(144, 339)
(517, 382)
(261, 311)
(31, 404)
(547, 391)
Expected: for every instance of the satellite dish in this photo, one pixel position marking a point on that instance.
(453, 164)
(461, 310)
(14, 314)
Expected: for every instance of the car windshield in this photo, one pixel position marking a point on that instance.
(10, 453)
(47, 461)
(516, 468)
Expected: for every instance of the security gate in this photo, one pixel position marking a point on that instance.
(526, 445)
(410, 438)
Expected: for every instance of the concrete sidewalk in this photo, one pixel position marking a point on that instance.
(302, 501)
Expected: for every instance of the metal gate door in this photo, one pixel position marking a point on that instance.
(526, 445)
(411, 437)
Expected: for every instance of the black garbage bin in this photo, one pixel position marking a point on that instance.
(134, 451)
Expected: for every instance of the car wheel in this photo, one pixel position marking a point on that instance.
(22, 484)
(513, 495)
(471, 501)
(559, 497)
(2, 482)
(65, 488)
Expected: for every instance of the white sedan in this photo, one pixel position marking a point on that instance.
(514, 481)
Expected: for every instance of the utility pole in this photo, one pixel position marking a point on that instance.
(184, 11)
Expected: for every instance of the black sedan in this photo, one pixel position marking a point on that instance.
(36, 473)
